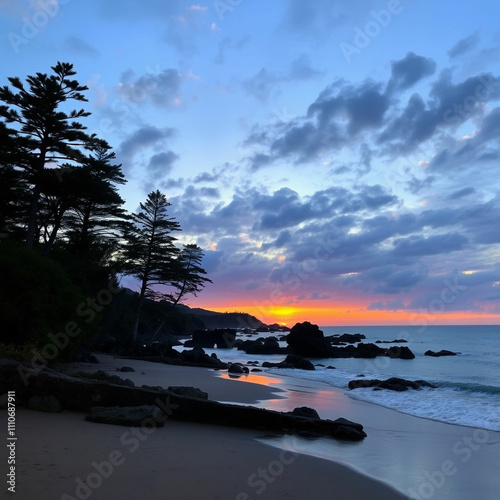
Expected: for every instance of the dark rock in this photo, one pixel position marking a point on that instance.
(255, 370)
(395, 341)
(305, 411)
(351, 338)
(330, 367)
(134, 416)
(237, 368)
(393, 384)
(49, 404)
(190, 392)
(197, 356)
(126, 369)
(443, 352)
(306, 339)
(400, 352)
(261, 346)
(291, 361)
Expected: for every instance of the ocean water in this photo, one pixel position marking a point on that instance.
(468, 385)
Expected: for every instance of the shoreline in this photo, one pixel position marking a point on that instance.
(401, 450)
(67, 457)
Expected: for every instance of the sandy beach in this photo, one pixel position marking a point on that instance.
(64, 456)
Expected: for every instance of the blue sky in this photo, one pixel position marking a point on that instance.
(337, 161)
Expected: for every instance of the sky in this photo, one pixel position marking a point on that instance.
(337, 161)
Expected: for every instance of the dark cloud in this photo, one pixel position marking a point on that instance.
(463, 46)
(433, 245)
(162, 88)
(461, 193)
(409, 70)
(161, 164)
(144, 137)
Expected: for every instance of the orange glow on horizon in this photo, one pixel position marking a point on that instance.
(355, 316)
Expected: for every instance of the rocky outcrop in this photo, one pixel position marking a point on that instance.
(83, 395)
(443, 352)
(347, 338)
(360, 351)
(393, 384)
(306, 339)
(261, 346)
(395, 341)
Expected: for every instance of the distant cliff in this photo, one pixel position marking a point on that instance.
(212, 319)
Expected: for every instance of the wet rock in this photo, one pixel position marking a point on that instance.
(400, 352)
(443, 352)
(305, 411)
(392, 384)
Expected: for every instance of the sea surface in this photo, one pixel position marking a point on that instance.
(468, 384)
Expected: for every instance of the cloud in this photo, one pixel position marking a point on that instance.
(464, 46)
(143, 138)
(162, 163)
(162, 88)
(265, 82)
(410, 70)
(79, 46)
(433, 245)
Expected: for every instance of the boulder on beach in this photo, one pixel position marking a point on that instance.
(442, 352)
(306, 339)
(305, 411)
(237, 368)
